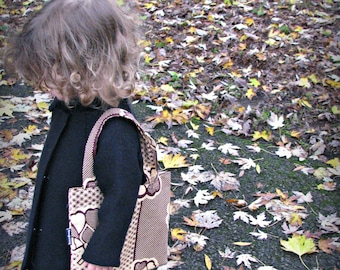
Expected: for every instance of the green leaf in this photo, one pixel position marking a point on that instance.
(254, 82)
(300, 245)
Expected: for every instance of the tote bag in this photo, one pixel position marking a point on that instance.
(146, 241)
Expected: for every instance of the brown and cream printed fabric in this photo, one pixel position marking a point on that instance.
(146, 242)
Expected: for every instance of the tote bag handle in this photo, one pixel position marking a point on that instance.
(148, 148)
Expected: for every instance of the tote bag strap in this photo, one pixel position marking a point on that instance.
(148, 148)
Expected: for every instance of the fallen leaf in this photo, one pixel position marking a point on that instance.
(207, 261)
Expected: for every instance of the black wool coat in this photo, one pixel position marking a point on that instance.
(118, 168)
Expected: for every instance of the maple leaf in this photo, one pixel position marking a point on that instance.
(227, 253)
(6, 108)
(13, 228)
(260, 220)
(196, 239)
(5, 216)
(20, 138)
(244, 216)
(275, 121)
(225, 181)
(246, 259)
(178, 234)
(208, 219)
(191, 222)
(284, 152)
(304, 82)
(245, 163)
(178, 204)
(184, 143)
(250, 93)
(328, 245)
(174, 161)
(335, 162)
(192, 133)
(254, 82)
(210, 130)
(262, 135)
(208, 146)
(300, 245)
(329, 223)
(303, 198)
(202, 197)
(260, 235)
(229, 148)
(290, 229)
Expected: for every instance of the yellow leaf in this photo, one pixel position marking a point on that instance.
(217, 193)
(250, 93)
(281, 194)
(305, 103)
(334, 162)
(17, 154)
(228, 64)
(30, 129)
(332, 83)
(42, 106)
(262, 135)
(192, 30)
(120, 2)
(210, 130)
(207, 261)
(242, 46)
(295, 134)
(298, 29)
(194, 126)
(313, 78)
(167, 88)
(169, 40)
(249, 21)
(178, 234)
(241, 109)
(147, 58)
(295, 220)
(177, 161)
(14, 265)
(148, 5)
(304, 82)
(258, 168)
(144, 43)
(211, 18)
(163, 140)
(180, 116)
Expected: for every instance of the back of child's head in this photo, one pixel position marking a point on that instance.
(85, 49)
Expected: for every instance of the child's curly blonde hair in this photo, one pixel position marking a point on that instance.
(84, 49)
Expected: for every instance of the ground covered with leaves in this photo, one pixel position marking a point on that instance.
(243, 100)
